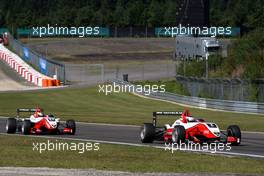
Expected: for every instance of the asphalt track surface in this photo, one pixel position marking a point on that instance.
(251, 145)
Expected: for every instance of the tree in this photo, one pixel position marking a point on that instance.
(119, 14)
(170, 13)
(134, 13)
(155, 13)
(247, 53)
(84, 16)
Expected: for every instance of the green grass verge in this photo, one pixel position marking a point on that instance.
(171, 86)
(18, 151)
(87, 105)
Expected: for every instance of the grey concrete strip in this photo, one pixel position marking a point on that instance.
(43, 171)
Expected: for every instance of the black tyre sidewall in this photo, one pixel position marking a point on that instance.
(234, 131)
(11, 124)
(178, 134)
(147, 133)
(72, 125)
(26, 125)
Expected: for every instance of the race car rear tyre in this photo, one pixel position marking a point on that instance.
(178, 134)
(71, 124)
(11, 125)
(26, 127)
(234, 131)
(147, 133)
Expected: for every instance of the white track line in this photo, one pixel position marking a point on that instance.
(79, 139)
(137, 145)
(109, 124)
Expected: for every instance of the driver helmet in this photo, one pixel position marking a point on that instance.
(186, 113)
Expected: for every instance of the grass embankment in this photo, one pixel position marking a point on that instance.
(170, 84)
(88, 105)
(18, 151)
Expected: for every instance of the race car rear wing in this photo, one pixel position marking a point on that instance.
(27, 110)
(164, 113)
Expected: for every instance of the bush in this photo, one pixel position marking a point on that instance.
(247, 53)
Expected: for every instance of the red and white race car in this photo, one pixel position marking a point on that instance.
(39, 123)
(188, 128)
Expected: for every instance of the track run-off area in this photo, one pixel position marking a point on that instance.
(251, 144)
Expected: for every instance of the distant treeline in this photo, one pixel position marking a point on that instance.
(246, 14)
(151, 13)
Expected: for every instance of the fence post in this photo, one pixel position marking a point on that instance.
(131, 31)
(117, 71)
(143, 70)
(102, 73)
(115, 31)
(146, 32)
(64, 74)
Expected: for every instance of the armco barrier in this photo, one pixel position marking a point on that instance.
(46, 66)
(226, 105)
(24, 70)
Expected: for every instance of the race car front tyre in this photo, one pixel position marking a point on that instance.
(26, 127)
(178, 134)
(71, 124)
(11, 125)
(147, 133)
(234, 131)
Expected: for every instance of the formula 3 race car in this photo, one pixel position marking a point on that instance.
(39, 123)
(187, 128)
